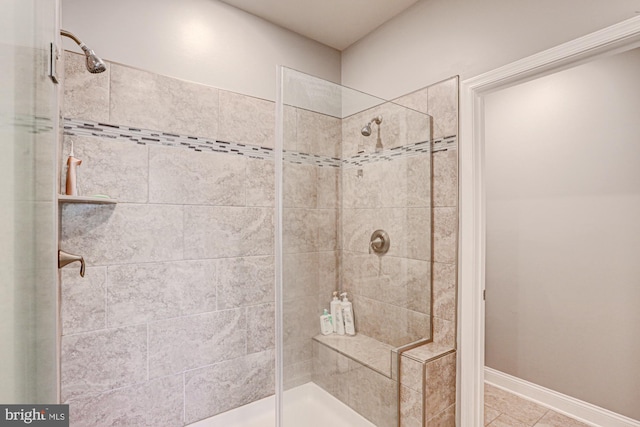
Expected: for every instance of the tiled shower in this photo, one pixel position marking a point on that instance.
(176, 313)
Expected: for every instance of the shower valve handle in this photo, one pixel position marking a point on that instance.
(379, 242)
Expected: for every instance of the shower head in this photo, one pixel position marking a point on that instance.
(366, 130)
(94, 63)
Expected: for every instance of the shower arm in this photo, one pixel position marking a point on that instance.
(72, 36)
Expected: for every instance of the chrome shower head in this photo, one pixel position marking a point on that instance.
(94, 63)
(366, 130)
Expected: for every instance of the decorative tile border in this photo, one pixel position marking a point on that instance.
(149, 137)
(404, 151)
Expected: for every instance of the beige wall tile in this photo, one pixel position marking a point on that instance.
(300, 275)
(218, 231)
(180, 344)
(410, 408)
(290, 130)
(138, 293)
(260, 182)
(445, 178)
(297, 374)
(180, 176)
(86, 95)
(103, 233)
(83, 300)
(444, 332)
(299, 186)
(372, 319)
(301, 321)
(150, 404)
(440, 381)
(300, 232)
(318, 133)
(244, 281)
(372, 395)
(102, 360)
(331, 371)
(419, 181)
(444, 291)
(411, 373)
(445, 234)
(261, 328)
(227, 385)
(169, 105)
(246, 120)
(328, 187)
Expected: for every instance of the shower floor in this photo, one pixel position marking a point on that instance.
(306, 405)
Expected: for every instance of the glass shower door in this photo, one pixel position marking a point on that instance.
(355, 218)
(28, 270)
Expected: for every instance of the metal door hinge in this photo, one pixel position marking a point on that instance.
(484, 294)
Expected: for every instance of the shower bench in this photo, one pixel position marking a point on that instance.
(362, 372)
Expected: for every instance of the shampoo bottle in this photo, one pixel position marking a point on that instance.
(326, 327)
(336, 315)
(347, 314)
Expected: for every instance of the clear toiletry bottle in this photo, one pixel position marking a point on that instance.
(347, 315)
(326, 328)
(336, 315)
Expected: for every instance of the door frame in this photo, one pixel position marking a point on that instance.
(471, 268)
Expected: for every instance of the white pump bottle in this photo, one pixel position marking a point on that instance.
(347, 314)
(336, 315)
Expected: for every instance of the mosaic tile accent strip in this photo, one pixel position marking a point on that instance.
(404, 151)
(201, 144)
(151, 137)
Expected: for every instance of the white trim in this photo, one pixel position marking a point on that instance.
(567, 405)
(622, 36)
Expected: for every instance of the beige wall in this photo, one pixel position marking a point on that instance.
(563, 202)
(436, 39)
(204, 41)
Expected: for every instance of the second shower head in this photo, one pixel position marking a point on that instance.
(366, 130)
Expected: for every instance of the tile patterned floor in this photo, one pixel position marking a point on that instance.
(503, 409)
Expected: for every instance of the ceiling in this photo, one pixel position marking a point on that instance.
(336, 23)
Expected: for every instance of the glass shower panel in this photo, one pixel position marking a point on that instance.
(28, 123)
(355, 206)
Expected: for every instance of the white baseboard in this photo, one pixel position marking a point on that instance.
(567, 405)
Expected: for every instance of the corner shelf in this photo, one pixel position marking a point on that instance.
(62, 198)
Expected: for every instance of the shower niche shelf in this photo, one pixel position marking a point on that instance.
(62, 198)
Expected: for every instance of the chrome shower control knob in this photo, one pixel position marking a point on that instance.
(379, 242)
